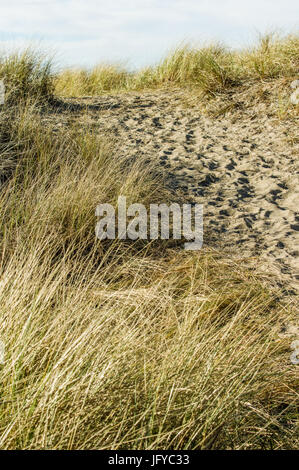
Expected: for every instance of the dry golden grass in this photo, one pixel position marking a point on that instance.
(27, 76)
(101, 79)
(124, 345)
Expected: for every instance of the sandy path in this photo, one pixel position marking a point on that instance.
(243, 169)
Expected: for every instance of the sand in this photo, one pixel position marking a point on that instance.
(243, 167)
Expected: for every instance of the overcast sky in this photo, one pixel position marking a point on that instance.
(137, 32)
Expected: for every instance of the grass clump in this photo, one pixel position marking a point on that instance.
(207, 68)
(273, 57)
(119, 345)
(27, 75)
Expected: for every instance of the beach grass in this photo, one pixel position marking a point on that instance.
(127, 345)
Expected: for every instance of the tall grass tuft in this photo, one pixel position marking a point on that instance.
(124, 345)
(273, 57)
(208, 68)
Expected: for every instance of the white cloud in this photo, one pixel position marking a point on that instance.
(88, 31)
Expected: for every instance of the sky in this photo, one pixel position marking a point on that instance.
(137, 33)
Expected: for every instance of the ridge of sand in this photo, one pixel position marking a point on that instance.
(243, 168)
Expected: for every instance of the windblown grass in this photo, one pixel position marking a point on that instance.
(27, 75)
(98, 80)
(208, 68)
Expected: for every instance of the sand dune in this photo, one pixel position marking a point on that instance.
(244, 170)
